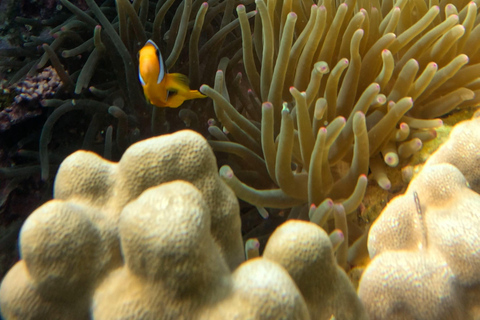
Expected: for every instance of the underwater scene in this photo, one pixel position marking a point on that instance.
(239, 159)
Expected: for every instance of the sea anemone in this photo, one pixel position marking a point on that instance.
(345, 89)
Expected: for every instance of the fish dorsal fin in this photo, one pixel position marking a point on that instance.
(161, 73)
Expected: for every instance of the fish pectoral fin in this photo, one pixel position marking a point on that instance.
(180, 78)
(176, 82)
(178, 91)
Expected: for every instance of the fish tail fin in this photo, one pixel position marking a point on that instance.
(195, 94)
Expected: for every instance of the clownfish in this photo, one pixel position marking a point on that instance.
(162, 89)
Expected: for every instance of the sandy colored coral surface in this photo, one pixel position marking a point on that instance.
(424, 243)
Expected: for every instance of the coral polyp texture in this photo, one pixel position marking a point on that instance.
(462, 149)
(174, 270)
(70, 244)
(425, 243)
(344, 88)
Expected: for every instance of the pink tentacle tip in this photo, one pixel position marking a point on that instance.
(267, 105)
(228, 173)
(360, 114)
(313, 206)
(339, 234)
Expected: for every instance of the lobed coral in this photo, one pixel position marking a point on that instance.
(71, 243)
(186, 277)
(185, 156)
(424, 243)
(172, 266)
(156, 236)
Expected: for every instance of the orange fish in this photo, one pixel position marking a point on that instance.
(162, 89)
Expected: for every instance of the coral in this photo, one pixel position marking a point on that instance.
(354, 85)
(71, 243)
(462, 149)
(173, 267)
(261, 290)
(30, 92)
(44, 85)
(181, 156)
(424, 242)
(186, 276)
(126, 241)
(306, 252)
(61, 259)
